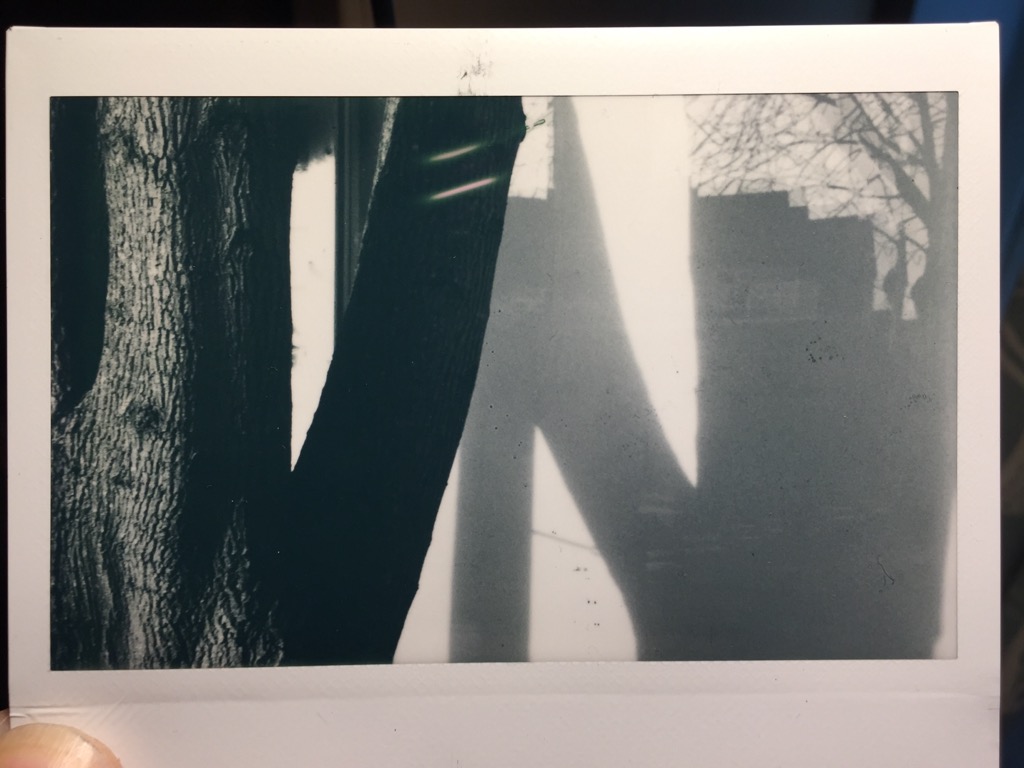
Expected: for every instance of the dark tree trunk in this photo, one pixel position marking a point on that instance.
(917, 382)
(935, 293)
(170, 447)
(78, 264)
(367, 485)
(184, 431)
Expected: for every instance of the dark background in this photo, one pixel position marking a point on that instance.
(554, 13)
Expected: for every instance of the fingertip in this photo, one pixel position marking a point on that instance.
(53, 746)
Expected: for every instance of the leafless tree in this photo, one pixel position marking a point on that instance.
(887, 157)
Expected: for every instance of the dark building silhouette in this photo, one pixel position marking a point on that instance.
(824, 432)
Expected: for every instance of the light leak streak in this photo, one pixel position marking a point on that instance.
(452, 154)
(462, 189)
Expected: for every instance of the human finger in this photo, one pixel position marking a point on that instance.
(41, 745)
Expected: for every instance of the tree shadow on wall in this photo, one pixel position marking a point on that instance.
(819, 528)
(557, 359)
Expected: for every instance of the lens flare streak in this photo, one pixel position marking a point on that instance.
(462, 189)
(452, 154)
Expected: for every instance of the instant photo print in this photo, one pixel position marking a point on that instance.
(506, 397)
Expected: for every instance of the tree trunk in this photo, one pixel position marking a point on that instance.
(78, 265)
(367, 485)
(170, 472)
(936, 291)
(921, 371)
(185, 431)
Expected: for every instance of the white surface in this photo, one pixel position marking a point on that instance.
(426, 635)
(643, 202)
(796, 714)
(577, 612)
(312, 253)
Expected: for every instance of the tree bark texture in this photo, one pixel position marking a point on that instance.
(179, 536)
(184, 431)
(365, 490)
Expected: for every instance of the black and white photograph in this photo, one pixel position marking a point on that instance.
(505, 397)
(497, 379)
